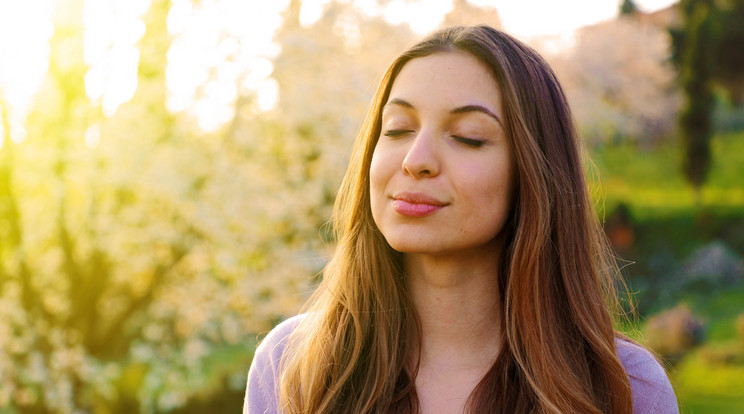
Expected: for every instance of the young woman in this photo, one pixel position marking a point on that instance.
(471, 274)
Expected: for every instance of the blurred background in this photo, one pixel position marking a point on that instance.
(167, 169)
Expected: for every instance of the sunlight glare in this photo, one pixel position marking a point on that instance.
(25, 30)
(531, 18)
(2, 129)
(268, 94)
(222, 48)
(206, 68)
(654, 5)
(311, 11)
(112, 30)
(428, 14)
(368, 7)
(17, 130)
(558, 20)
(92, 136)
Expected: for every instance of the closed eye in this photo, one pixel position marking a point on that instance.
(475, 143)
(397, 132)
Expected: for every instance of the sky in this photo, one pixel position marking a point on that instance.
(113, 27)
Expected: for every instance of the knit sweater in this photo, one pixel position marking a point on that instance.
(652, 392)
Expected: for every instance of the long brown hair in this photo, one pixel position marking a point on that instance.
(353, 351)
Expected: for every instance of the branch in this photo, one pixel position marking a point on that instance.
(30, 296)
(116, 328)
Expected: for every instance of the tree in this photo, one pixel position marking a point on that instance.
(707, 52)
(125, 267)
(40, 352)
(619, 83)
(465, 13)
(628, 7)
(696, 76)
(729, 68)
(326, 74)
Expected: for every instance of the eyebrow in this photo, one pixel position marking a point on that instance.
(459, 110)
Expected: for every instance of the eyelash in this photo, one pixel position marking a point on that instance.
(396, 132)
(473, 143)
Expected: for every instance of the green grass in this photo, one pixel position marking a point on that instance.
(720, 312)
(703, 386)
(712, 404)
(650, 181)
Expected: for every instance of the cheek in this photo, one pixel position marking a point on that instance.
(374, 174)
(492, 187)
(381, 168)
(378, 178)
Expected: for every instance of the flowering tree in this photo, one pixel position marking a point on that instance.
(620, 83)
(125, 268)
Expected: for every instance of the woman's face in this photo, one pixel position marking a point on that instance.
(442, 172)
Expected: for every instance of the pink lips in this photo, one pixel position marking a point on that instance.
(416, 204)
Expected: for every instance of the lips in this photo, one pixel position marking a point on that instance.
(416, 204)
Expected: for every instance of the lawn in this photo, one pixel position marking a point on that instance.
(650, 181)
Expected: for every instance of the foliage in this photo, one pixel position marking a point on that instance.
(128, 263)
(727, 17)
(740, 330)
(628, 94)
(714, 264)
(696, 62)
(628, 7)
(465, 13)
(662, 252)
(707, 51)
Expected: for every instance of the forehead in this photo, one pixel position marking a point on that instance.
(447, 79)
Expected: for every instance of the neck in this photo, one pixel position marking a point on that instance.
(457, 302)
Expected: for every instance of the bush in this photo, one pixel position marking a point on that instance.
(740, 329)
(721, 355)
(673, 332)
(714, 264)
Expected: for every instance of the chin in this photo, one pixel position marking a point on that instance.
(405, 245)
(456, 247)
(420, 247)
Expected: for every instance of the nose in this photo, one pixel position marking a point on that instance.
(422, 159)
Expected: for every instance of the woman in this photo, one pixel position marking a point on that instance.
(471, 274)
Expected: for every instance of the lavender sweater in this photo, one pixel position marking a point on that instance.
(652, 392)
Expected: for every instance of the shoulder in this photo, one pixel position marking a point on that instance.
(261, 390)
(272, 346)
(652, 391)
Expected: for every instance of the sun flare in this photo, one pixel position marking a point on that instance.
(200, 50)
